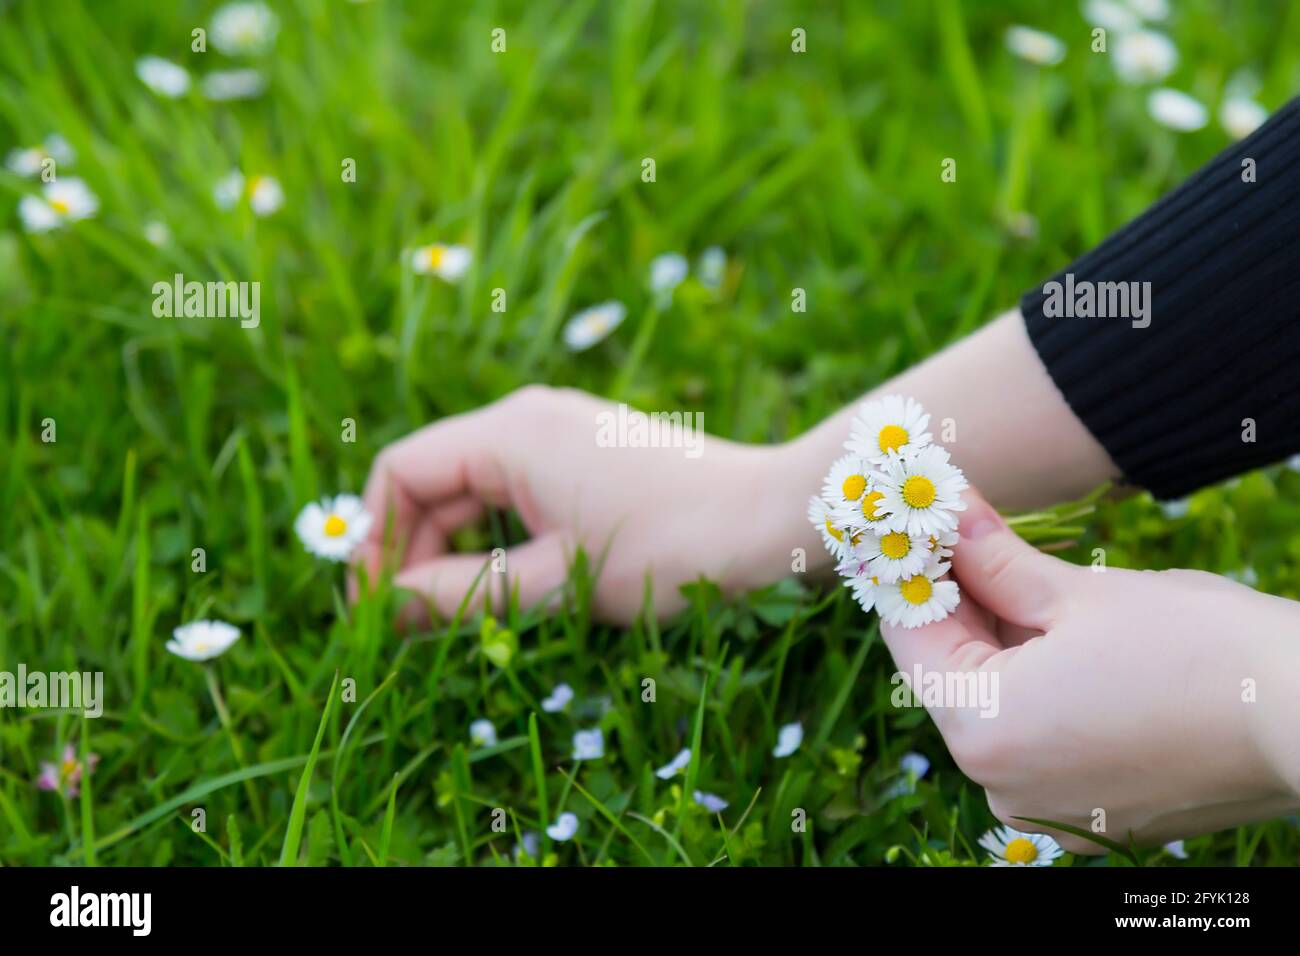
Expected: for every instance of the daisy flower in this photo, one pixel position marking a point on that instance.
(920, 493)
(889, 425)
(264, 193)
(940, 545)
(482, 733)
(332, 527)
(202, 640)
(1240, 116)
(29, 161)
(836, 540)
(675, 766)
(667, 272)
(712, 267)
(65, 776)
(244, 28)
(1150, 9)
(446, 262)
(1010, 847)
(163, 76)
(710, 801)
(588, 744)
(62, 201)
(865, 589)
(1176, 110)
(558, 699)
(1144, 56)
(918, 600)
(563, 828)
(1035, 46)
(224, 85)
(847, 481)
(788, 739)
(1111, 15)
(894, 555)
(156, 232)
(592, 325)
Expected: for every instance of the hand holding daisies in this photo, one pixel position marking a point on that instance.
(1165, 699)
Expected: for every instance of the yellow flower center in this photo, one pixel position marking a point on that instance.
(335, 526)
(68, 768)
(59, 206)
(895, 545)
(434, 256)
(833, 531)
(892, 438)
(853, 487)
(1021, 850)
(916, 589)
(870, 511)
(918, 492)
(934, 543)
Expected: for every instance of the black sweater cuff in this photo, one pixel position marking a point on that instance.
(1175, 334)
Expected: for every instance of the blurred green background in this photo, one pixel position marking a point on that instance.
(817, 170)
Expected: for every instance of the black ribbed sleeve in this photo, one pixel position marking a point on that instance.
(1222, 257)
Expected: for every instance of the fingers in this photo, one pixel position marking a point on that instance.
(536, 568)
(961, 641)
(1000, 571)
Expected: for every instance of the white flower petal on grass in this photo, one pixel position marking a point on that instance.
(1010, 847)
(712, 267)
(163, 76)
(1241, 116)
(1175, 509)
(592, 325)
(913, 766)
(240, 29)
(919, 600)
(675, 766)
(1111, 15)
(1144, 56)
(202, 640)
(563, 828)
(1035, 46)
(228, 190)
(483, 733)
(588, 744)
(1176, 110)
(788, 739)
(888, 425)
(332, 527)
(224, 85)
(558, 700)
(921, 492)
(31, 161)
(62, 201)
(1150, 9)
(156, 232)
(265, 195)
(1176, 849)
(710, 801)
(446, 262)
(1293, 462)
(667, 272)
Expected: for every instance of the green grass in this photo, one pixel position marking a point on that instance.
(816, 170)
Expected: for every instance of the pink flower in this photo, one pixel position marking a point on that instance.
(65, 776)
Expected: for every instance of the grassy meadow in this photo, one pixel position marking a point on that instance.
(818, 170)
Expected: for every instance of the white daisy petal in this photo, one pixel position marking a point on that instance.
(163, 76)
(1144, 56)
(1176, 110)
(241, 29)
(1035, 46)
(590, 326)
(565, 826)
(788, 739)
(1241, 116)
(675, 766)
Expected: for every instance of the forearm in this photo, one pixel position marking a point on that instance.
(991, 403)
(1271, 686)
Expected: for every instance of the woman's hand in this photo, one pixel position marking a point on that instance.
(704, 507)
(1160, 703)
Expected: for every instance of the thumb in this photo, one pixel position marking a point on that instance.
(1004, 573)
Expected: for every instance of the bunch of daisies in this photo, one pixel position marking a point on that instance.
(887, 514)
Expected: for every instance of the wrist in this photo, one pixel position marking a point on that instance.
(1274, 681)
